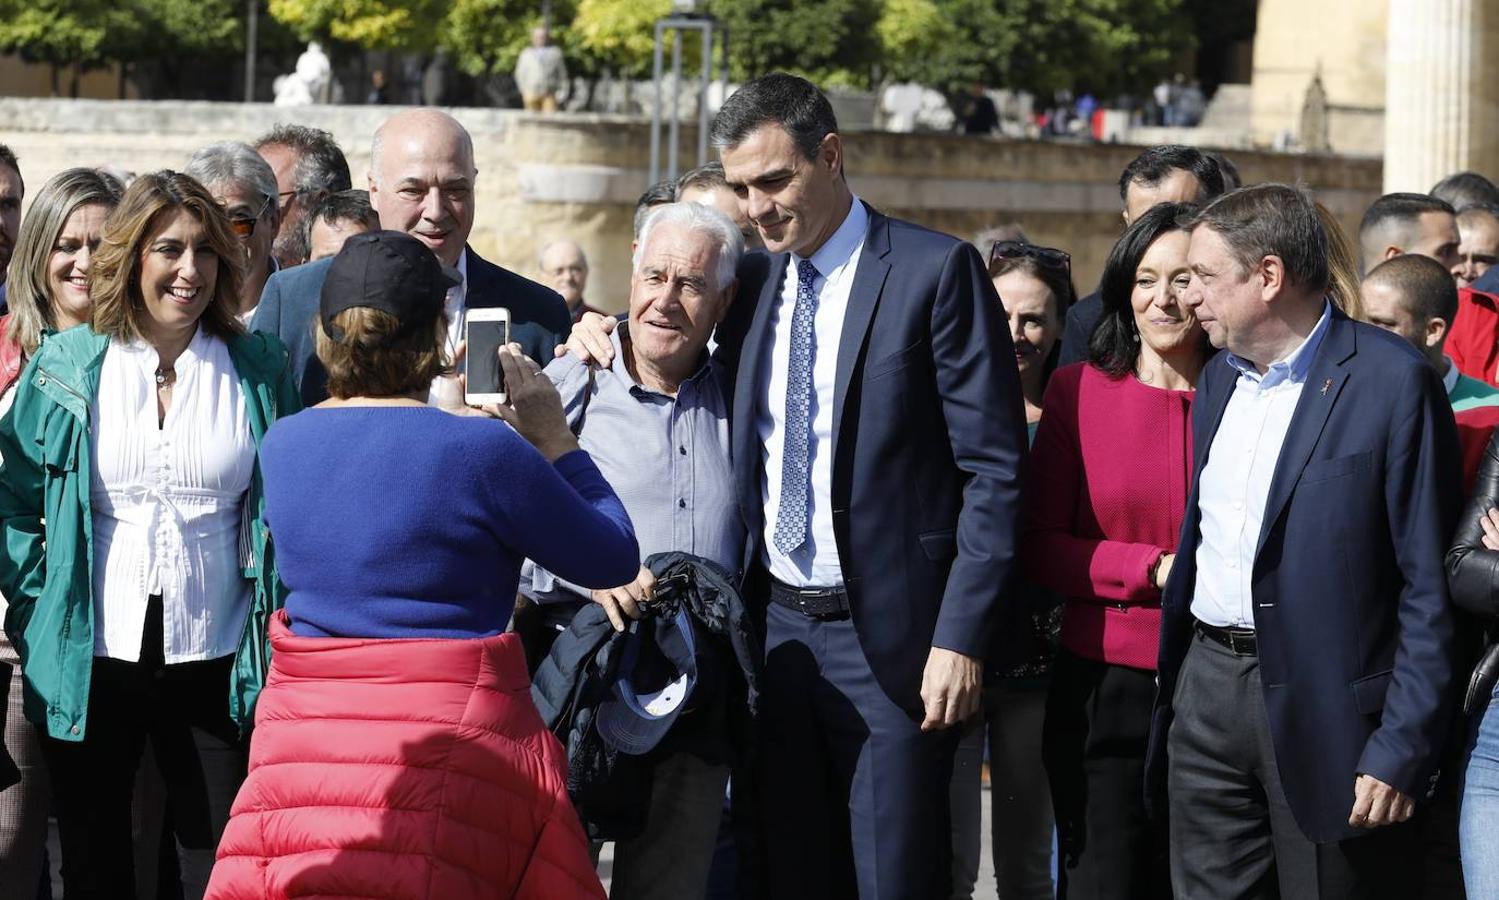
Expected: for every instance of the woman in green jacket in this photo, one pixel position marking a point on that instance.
(132, 549)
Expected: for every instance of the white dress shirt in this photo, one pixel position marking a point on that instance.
(167, 502)
(1236, 480)
(444, 390)
(815, 562)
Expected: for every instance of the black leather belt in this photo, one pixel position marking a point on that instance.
(815, 603)
(1239, 641)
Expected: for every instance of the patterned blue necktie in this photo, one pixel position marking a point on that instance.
(796, 451)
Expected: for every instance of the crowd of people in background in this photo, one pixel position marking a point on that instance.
(763, 579)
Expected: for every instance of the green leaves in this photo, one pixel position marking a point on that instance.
(93, 33)
(1105, 46)
(618, 34)
(375, 24)
(831, 42)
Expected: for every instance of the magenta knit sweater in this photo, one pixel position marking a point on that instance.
(1110, 471)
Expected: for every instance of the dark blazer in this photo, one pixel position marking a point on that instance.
(1082, 316)
(1350, 596)
(289, 309)
(1473, 569)
(928, 444)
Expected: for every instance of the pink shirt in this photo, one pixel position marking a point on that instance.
(1110, 472)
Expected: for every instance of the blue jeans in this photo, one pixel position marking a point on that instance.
(1479, 826)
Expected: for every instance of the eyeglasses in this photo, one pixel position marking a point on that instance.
(244, 226)
(1050, 257)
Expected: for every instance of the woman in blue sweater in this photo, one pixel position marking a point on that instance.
(400, 530)
(393, 518)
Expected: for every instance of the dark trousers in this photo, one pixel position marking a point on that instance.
(855, 794)
(1094, 742)
(183, 709)
(1232, 832)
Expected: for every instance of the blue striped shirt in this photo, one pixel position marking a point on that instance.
(666, 457)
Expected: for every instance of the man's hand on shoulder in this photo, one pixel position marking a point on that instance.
(589, 340)
(950, 688)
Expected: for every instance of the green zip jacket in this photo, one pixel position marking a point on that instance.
(46, 524)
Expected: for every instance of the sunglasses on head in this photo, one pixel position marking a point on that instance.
(244, 226)
(1050, 257)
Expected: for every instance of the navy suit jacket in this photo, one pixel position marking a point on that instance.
(928, 444)
(1350, 597)
(1078, 329)
(289, 309)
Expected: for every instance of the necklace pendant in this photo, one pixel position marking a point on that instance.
(161, 378)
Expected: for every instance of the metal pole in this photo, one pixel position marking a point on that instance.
(656, 111)
(252, 16)
(675, 131)
(702, 94)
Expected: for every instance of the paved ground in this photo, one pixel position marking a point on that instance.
(984, 891)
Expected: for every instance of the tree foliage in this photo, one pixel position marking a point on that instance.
(86, 32)
(828, 41)
(1036, 45)
(618, 35)
(91, 33)
(485, 36)
(412, 25)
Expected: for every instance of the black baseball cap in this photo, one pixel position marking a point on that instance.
(390, 271)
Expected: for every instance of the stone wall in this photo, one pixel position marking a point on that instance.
(1344, 42)
(543, 177)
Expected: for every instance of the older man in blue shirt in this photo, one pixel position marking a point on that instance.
(657, 425)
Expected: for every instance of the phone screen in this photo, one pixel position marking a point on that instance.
(485, 338)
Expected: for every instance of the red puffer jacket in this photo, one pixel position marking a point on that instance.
(401, 769)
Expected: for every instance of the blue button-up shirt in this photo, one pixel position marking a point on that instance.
(1235, 483)
(666, 457)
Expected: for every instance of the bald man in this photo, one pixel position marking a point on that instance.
(421, 181)
(564, 269)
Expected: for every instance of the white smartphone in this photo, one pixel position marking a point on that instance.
(486, 330)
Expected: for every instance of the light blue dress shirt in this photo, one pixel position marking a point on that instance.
(666, 457)
(815, 563)
(1235, 483)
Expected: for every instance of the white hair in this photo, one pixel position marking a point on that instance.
(701, 219)
(231, 162)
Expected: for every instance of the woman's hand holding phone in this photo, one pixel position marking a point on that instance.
(533, 407)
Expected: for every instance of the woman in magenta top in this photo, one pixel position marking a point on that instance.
(1109, 480)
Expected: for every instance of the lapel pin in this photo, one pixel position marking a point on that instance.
(1325, 385)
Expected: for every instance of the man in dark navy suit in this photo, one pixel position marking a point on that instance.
(877, 440)
(421, 181)
(1307, 643)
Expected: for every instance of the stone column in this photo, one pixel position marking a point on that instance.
(1441, 91)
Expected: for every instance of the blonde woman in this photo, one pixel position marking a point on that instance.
(48, 292)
